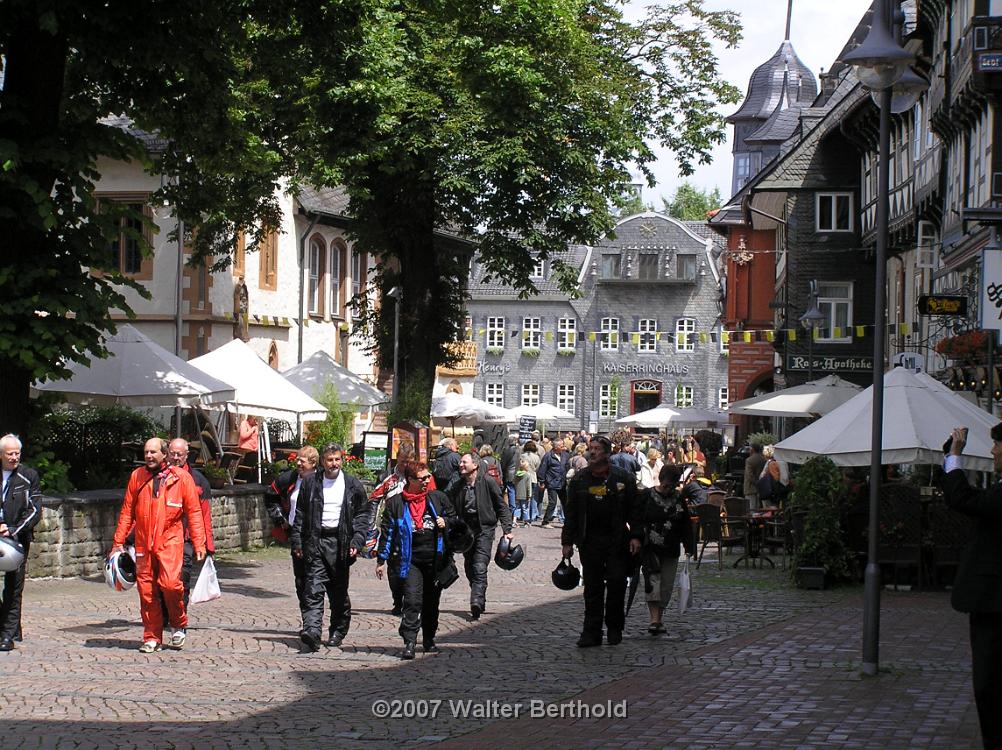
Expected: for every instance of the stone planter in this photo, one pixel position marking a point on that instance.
(811, 578)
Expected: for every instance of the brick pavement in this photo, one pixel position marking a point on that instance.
(757, 664)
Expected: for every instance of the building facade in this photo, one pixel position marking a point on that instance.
(645, 329)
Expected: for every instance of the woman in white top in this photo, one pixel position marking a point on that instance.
(650, 469)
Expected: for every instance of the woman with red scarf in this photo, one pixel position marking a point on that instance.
(413, 526)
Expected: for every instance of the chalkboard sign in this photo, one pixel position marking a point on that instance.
(526, 426)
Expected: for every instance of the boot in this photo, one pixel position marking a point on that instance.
(409, 648)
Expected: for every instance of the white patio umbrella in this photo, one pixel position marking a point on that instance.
(542, 412)
(665, 415)
(258, 389)
(138, 373)
(811, 399)
(313, 373)
(918, 417)
(467, 410)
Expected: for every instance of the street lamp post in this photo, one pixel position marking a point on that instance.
(398, 294)
(879, 62)
(810, 320)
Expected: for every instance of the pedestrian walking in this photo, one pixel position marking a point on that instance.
(511, 457)
(977, 588)
(667, 526)
(391, 486)
(523, 493)
(332, 522)
(532, 457)
(603, 522)
(445, 465)
(177, 455)
(479, 503)
(20, 511)
(281, 500)
(158, 499)
(650, 469)
(413, 526)
(552, 475)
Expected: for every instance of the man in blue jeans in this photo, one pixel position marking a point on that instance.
(552, 477)
(510, 458)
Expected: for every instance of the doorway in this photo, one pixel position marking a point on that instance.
(644, 395)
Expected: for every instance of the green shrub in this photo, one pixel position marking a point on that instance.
(337, 427)
(817, 495)
(762, 438)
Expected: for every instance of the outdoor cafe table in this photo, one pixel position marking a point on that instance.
(755, 532)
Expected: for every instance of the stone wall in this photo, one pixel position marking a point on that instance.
(76, 530)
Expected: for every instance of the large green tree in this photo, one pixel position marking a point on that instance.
(515, 123)
(200, 76)
(691, 203)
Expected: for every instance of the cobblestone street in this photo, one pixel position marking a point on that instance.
(756, 664)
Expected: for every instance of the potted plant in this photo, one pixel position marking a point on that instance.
(820, 555)
(216, 475)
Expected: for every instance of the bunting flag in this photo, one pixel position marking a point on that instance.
(679, 339)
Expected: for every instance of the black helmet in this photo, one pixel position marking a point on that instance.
(508, 557)
(459, 536)
(565, 576)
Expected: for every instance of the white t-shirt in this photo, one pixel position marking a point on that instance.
(333, 500)
(293, 497)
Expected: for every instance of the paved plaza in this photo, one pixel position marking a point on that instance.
(756, 664)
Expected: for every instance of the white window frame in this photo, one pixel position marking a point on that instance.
(723, 398)
(494, 394)
(538, 269)
(608, 401)
(315, 285)
(334, 279)
(684, 342)
(826, 304)
(532, 333)
(684, 395)
(530, 394)
(467, 328)
(567, 397)
(495, 332)
(832, 213)
(647, 328)
(609, 335)
(567, 334)
(357, 271)
(724, 341)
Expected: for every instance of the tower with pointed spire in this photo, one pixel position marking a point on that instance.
(769, 114)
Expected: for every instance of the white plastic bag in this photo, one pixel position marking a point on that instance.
(684, 588)
(207, 586)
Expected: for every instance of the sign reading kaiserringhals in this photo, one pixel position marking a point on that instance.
(829, 363)
(942, 304)
(654, 368)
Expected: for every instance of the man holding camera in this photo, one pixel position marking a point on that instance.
(977, 589)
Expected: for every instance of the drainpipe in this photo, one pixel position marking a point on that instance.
(302, 281)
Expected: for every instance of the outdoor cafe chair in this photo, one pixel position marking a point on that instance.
(710, 531)
(716, 497)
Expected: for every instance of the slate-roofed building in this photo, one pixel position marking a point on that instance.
(644, 331)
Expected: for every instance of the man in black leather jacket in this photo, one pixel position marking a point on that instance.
(977, 588)
(477, 500)
(332, 520)
(21, 510)
(603, 519)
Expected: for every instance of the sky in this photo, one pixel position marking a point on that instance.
(818, 32)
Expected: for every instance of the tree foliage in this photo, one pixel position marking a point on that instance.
(692, 204)
(508, 126)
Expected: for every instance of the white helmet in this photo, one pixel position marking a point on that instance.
(120, 571)
(11, 554)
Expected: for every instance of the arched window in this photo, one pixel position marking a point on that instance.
(336, 271)
(315, 287)
(273, 356)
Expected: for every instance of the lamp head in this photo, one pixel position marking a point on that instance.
(879, 61)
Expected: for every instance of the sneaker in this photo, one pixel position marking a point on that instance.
(177, 638)
(149, 647)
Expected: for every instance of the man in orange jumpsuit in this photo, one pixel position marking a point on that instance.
(157, 497)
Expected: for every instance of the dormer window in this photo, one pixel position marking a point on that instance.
(539, 269)
(611, 268)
